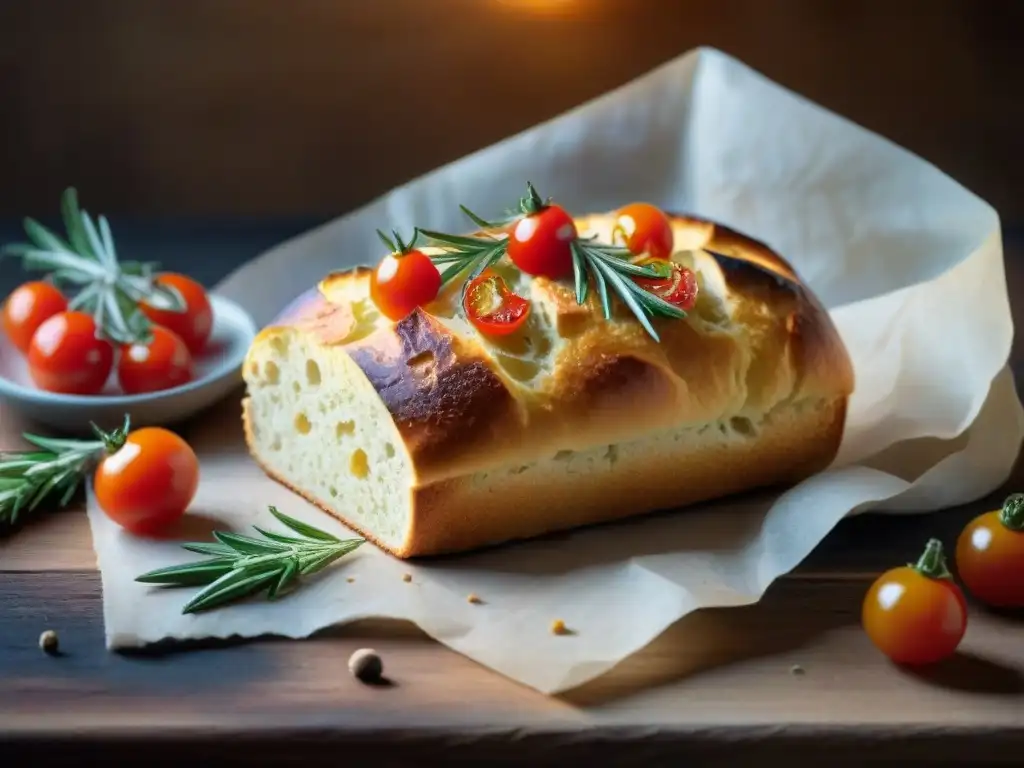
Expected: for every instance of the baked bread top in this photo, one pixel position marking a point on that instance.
(757, 341)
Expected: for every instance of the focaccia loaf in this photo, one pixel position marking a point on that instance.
(428, 437)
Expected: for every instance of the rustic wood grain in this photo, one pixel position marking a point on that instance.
(264, 106)
(717, 676)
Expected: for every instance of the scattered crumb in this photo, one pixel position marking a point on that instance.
(48, 642)
(558, 628)
(796, 669)
(406, 577)
(474, 599)
(366, 665)
(350, 579)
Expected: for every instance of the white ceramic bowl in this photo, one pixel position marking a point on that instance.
(218, 371)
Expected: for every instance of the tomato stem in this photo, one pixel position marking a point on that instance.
(113, 441)
(533, 203)
(1012, 513)
(932, 562)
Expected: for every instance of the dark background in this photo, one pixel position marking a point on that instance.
(308, 108)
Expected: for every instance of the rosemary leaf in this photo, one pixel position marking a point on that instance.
(288, 574)
(579, 273)
(209, 548)
(301, 528)
(234, 585)
(248, 546)
(72, 216)
(43, 238)
(195, 575)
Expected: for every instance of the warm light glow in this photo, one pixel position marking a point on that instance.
(549, 7)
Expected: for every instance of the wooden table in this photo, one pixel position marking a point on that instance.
(792, 676)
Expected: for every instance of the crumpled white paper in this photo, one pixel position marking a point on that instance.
(909, 263)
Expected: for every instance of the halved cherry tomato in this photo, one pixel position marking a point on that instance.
(540, 243)
(196, 322)
(163, 363)
(679, 286)
(990, 555)
(916, 614)
(404, 280)
(492, 307)
(26, 309)
(644, 229)
(148, 482)
(67, 356)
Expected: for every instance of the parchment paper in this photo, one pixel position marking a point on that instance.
(909, 263)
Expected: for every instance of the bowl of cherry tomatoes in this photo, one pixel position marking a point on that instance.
(95, 338)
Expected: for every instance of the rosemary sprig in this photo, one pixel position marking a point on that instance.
(610, 267)
(52, 475)
(85, 260)
(242, 566)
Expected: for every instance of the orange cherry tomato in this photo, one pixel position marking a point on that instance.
(678, 287)
(990, 555)
(66, 355)
(404, 280)
(148, 482)
(492, 307)
(644, 229)
(540, 243)
(163, 363)
(196, 322)
(26, 309)
(916, 614)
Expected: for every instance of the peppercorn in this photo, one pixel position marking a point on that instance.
(48, 642)
(366, 665)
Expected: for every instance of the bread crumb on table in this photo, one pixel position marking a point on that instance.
(473, 598)
(558, 628)
(351, 579)
(796, 669)
(406, 577)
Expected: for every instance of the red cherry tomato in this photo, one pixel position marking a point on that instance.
(644, 229)
(148, 482)
(26, 309)
(67, 356)
(990, 555)
(163, 363)
(916, 614)
(196, 322)
(679, 286)
(540, 242)
(492, 308)
(403, 281)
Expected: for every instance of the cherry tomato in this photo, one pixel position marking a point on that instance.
(492, 307)
(916, 614)
(404, 280)
(148, 482)
(679, 286)
(540, 243)
(163, 363)
(26, 309)
(67, 356)
(644, 229)
(990, 555)
(196, 322)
